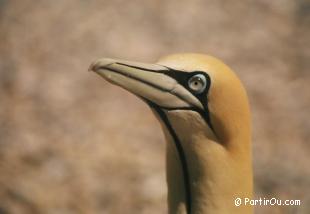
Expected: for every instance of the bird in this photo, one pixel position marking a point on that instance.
(204, 113)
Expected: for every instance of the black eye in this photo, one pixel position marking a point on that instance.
(197, 83)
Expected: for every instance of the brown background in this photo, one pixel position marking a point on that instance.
(72, 143)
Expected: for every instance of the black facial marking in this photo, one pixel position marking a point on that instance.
(182, 78)
(180, 150)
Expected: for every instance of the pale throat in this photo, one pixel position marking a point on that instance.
(210, 184)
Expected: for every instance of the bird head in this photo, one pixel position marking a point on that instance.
(204, 112)
(186, 83)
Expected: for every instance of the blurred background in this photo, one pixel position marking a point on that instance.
(72, 143)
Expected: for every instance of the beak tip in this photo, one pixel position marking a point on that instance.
(92, 67)
(101, 63)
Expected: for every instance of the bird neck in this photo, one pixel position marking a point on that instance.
(203, 176)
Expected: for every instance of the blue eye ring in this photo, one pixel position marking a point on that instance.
(197, 83)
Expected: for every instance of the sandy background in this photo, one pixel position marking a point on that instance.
(72, 143)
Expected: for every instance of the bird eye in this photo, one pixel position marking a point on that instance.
(197, 83)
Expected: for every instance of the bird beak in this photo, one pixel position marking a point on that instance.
(149, 81)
